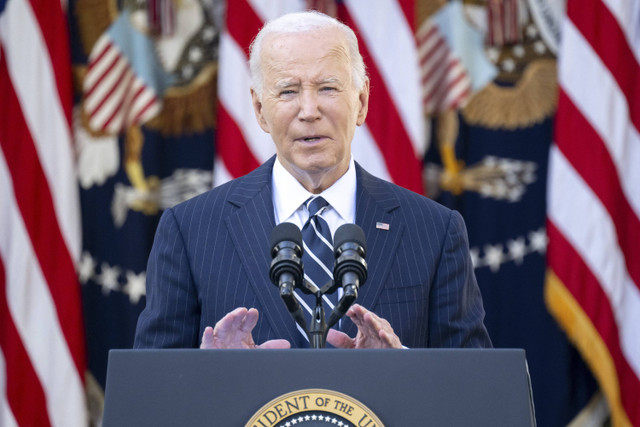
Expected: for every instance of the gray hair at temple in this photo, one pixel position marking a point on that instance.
(300, 22)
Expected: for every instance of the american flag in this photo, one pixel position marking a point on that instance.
(453, 64)
(124, 82)
(504, 28)
(445, 81)
(391, 142)
(593, 209)
(42, 358)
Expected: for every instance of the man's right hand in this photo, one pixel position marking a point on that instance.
(234, 331)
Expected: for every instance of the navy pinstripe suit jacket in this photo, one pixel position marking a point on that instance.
(211, 255)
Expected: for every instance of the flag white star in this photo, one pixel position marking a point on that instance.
(86, 267)
(135, 286)
(517, 250)
(539, 240)
(494, 256)
(108, 278)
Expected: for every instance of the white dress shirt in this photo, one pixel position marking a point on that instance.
(289, 196)
(288, 205)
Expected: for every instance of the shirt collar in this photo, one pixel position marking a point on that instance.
(289, 194)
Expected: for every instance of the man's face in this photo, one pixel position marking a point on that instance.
(310, 105)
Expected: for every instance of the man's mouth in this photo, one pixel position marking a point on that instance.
(311, 138)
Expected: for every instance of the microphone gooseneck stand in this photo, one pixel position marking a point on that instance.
(287, 273)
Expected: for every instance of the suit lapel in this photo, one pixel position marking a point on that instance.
(251, 225)
(250, 229)
(375, 205)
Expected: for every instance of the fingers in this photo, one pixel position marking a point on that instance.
(230, 322)
(339, 339)
(373, 331)
(275, 344)
(366, 321)
(234, 330)
(245, 320)
(207, 338)
(240, 319)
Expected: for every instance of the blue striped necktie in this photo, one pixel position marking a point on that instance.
(318, 255)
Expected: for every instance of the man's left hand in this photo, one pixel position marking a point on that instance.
(373, 331)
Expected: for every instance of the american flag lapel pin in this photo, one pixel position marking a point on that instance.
(382, 226)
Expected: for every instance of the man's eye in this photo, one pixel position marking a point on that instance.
(287, 92)
(328, 89)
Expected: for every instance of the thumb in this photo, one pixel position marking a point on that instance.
(207, 338)
(339, 339)
(277, 344)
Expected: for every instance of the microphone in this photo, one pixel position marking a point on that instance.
(350, 271)
(286, 266)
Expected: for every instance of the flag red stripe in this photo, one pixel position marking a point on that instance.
(95, 61)
(53, 26)
(447, 87)
(124, 101)
(437, 74)
(242, 23)
(144, 109)
(24, 391)
(128, 119)
(586, 151)
(446, 80)
(578, 279)
(37, 209)
(100, 79)
(459, 100)
(385, 124)
(426, 36)
(408, 8)
(237, 157)
(600, 28)
(441, 50)
(106, 97)
(232, 148)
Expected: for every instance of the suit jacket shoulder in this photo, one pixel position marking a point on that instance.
(420, 274)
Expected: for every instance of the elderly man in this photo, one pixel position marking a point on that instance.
(210, 259)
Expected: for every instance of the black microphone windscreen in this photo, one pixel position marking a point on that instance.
(286, 231)
(349, 233)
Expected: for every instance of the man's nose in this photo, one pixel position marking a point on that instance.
(309, 106)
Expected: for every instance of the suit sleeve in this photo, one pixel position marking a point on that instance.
(456, 311)
(170, 318)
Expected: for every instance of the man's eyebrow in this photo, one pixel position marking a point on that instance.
(329, 80)
(286, 83)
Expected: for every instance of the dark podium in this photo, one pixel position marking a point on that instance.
(416, 387)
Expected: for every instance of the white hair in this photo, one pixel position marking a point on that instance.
(300, 22)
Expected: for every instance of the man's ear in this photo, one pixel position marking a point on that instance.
(363, 98)
(257, 109)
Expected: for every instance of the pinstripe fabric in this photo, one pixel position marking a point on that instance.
(211, 255)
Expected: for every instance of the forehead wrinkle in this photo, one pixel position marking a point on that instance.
(278, 67)
(340, 51)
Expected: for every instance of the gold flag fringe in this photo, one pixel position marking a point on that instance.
(425, 9)
(530, 101)
(583, 334)
(94, 17)
(134, 141)
(95, 399)
(190, 108)
(447, 127)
